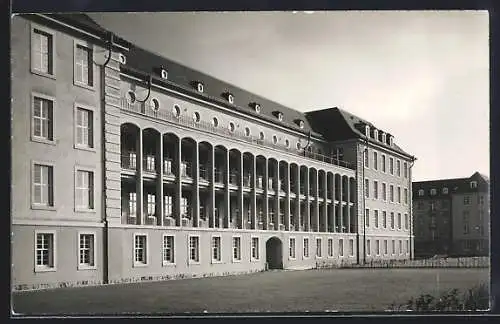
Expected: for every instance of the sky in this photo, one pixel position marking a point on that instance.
(422, 76)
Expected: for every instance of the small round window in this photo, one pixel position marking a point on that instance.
(196, 117)
(215, 122)
(130, 97)
(247, 131)
(155, 104)
(261, 135)
(301, 124)
(280, 116)
(176, 111)
(275, 139)
(287, 143)
(257, 108)
(231, 127)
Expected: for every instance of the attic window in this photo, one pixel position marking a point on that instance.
(473, 184)
(256, 107)
(300, 123)
(367, 131)
(199, 86)
(445, 190)
(433, 192)
(375, 134)
(164, 74)
(421, 192)
(280, 116)
(122, 58)
(383, 138)
(230, 98)
(391, 140)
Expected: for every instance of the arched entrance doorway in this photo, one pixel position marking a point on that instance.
(274, 253)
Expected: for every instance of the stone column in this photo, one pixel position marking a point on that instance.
(287, 201)
(266, 194)
(139, 182)
(277, 211)
(227, 196)
(211, 198)
(178, 183)
(325, 204)
(195, 206)
(159, 183)
(307, 223)
(253, 199)
(297, 200)
(316, 203)
(341, 206)
(348, 205)
(240, 220)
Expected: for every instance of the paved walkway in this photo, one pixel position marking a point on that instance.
(275, 291)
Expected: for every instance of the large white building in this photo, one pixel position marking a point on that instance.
(128, 166)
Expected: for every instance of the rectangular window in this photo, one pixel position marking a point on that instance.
(132, 204)
(393, 245)
(384, 219)
(367, 188)
(168, 205)
(375, 161)
(391, 193)
(351, 247)
(306, 247)
(385, 248)
(42, 59)
(291, 247)
(84, 189)
(84, 128)
(151, 201)
(391, 166)
(330, 247)
(400, 247)
(43, 188)
(236, 248)
(194, 249)
(45, 254)
(375, 218)
(216, 249)
(406, 196)
(255, 248)
(466, 222)
(83, 65)
(140, 249)
(383, 163)
(407, 247)
(399, 220)
(86, 251)
(341, 247)
(398, 168)
(377, 247)
(384, 191)
(467, 200)
(368, 247)
(367, 159)
(375, 189)
(319, 253)
(399, 195)
(184, 207)
(392, 220)
(367, 217)
(405, 169)
(43, 118)
(168, 249)
(406, 222)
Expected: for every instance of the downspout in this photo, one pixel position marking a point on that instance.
(412, 162)
(105, 234)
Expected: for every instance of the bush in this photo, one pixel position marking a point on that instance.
(475, 298)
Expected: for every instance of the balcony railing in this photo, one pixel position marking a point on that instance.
(233, 178)
(129, 161)
(204, 173)
(148, 163)
(219, 176)
(186, 120)
(247, 180)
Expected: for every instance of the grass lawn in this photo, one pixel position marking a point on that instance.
(275, 291)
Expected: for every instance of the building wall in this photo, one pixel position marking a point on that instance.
(62, 154)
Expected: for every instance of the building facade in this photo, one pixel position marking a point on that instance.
(128, 166)
(452, 216)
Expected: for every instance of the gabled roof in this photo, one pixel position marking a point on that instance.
(454, 185)
(145, 61)
(337, 125)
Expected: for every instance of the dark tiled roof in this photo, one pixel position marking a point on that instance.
(139, 59)
(337, 125)
(456, 185)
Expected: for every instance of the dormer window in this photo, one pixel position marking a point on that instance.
(367, 131)
(421, 192)
(375, 134)
(122, 58)
(445, 191)
(384, 138)
(164, 74)
(278, 115)
(199, 86)
(300, 123)
(256, 107)
(433, 192)
(391, 140)
(230, 98)
(473, 184)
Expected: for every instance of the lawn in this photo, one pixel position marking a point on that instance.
(275, 291)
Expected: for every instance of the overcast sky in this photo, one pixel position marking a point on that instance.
(423, 76)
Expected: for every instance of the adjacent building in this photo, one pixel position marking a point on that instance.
(128, 166)
(452, 216)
